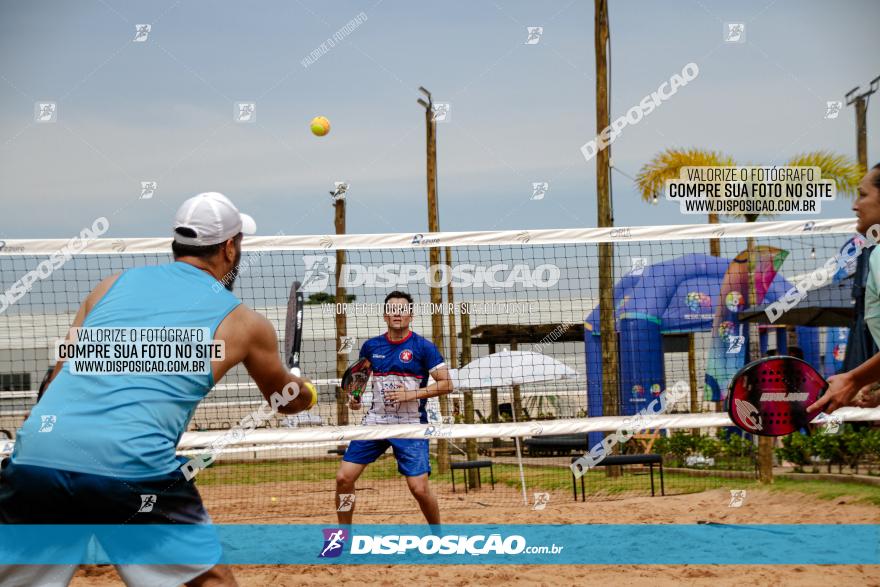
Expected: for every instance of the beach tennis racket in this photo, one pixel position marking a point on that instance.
(356, 377)
(293, 326)
(769, 397)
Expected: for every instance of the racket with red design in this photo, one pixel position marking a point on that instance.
(356, 378)
(769, 397)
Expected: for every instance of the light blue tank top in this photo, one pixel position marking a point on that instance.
(128, 426)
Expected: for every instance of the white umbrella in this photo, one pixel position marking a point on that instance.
(511, 368)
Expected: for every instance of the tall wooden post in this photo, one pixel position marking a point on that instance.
(862, 132)
(516, 404)
(341, 322)
(607, 327)
(434, 257)
(470, 443)
(765, 443)
(692, 377)
(493, 400)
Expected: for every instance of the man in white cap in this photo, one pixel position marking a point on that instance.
(112, 438)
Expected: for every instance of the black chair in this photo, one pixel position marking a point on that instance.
(649, 460)
(467, 465)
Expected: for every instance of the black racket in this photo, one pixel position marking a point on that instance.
(356, 377)
(769, 397)
(293, 326)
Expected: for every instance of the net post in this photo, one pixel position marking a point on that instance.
(470, 443)
(340, 317)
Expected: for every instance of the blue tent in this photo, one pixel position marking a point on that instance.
(675, 296)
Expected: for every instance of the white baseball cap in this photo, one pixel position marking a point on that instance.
(213, 218)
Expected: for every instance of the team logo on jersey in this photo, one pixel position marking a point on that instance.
(406, 355)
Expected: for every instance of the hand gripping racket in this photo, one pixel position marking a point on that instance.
(356, 377)
(293, 326)
(769, 397)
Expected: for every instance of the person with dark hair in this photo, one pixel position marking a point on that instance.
(401, 361)
(95, 445)
(854, 387)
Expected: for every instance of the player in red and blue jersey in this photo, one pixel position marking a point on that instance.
(401, 361)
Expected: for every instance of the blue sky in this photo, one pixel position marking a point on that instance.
(163, 109)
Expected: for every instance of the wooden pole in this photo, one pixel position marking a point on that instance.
(692, 377)
(471, 443)
(517, 395)
(493, 400)
(341, 323)
(862, 132)
(450, 300)
(765, 443)
(434, 256)
(607, 327)
(603, 194)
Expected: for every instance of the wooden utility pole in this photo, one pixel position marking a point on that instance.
(450, 301)
(470, 443)
(692, 377)
(341, 325)
(861, 107)
(434, 257)
(607, 327)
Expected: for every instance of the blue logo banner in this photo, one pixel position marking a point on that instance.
(446, 544)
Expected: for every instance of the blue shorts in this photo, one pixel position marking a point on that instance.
(411, 454)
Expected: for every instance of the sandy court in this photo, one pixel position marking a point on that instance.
(760, 506)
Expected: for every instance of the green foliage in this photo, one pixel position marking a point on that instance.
(796, 448)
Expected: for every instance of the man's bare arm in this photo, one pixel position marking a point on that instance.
(264, 365)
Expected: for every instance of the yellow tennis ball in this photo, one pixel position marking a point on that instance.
(320, 126)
